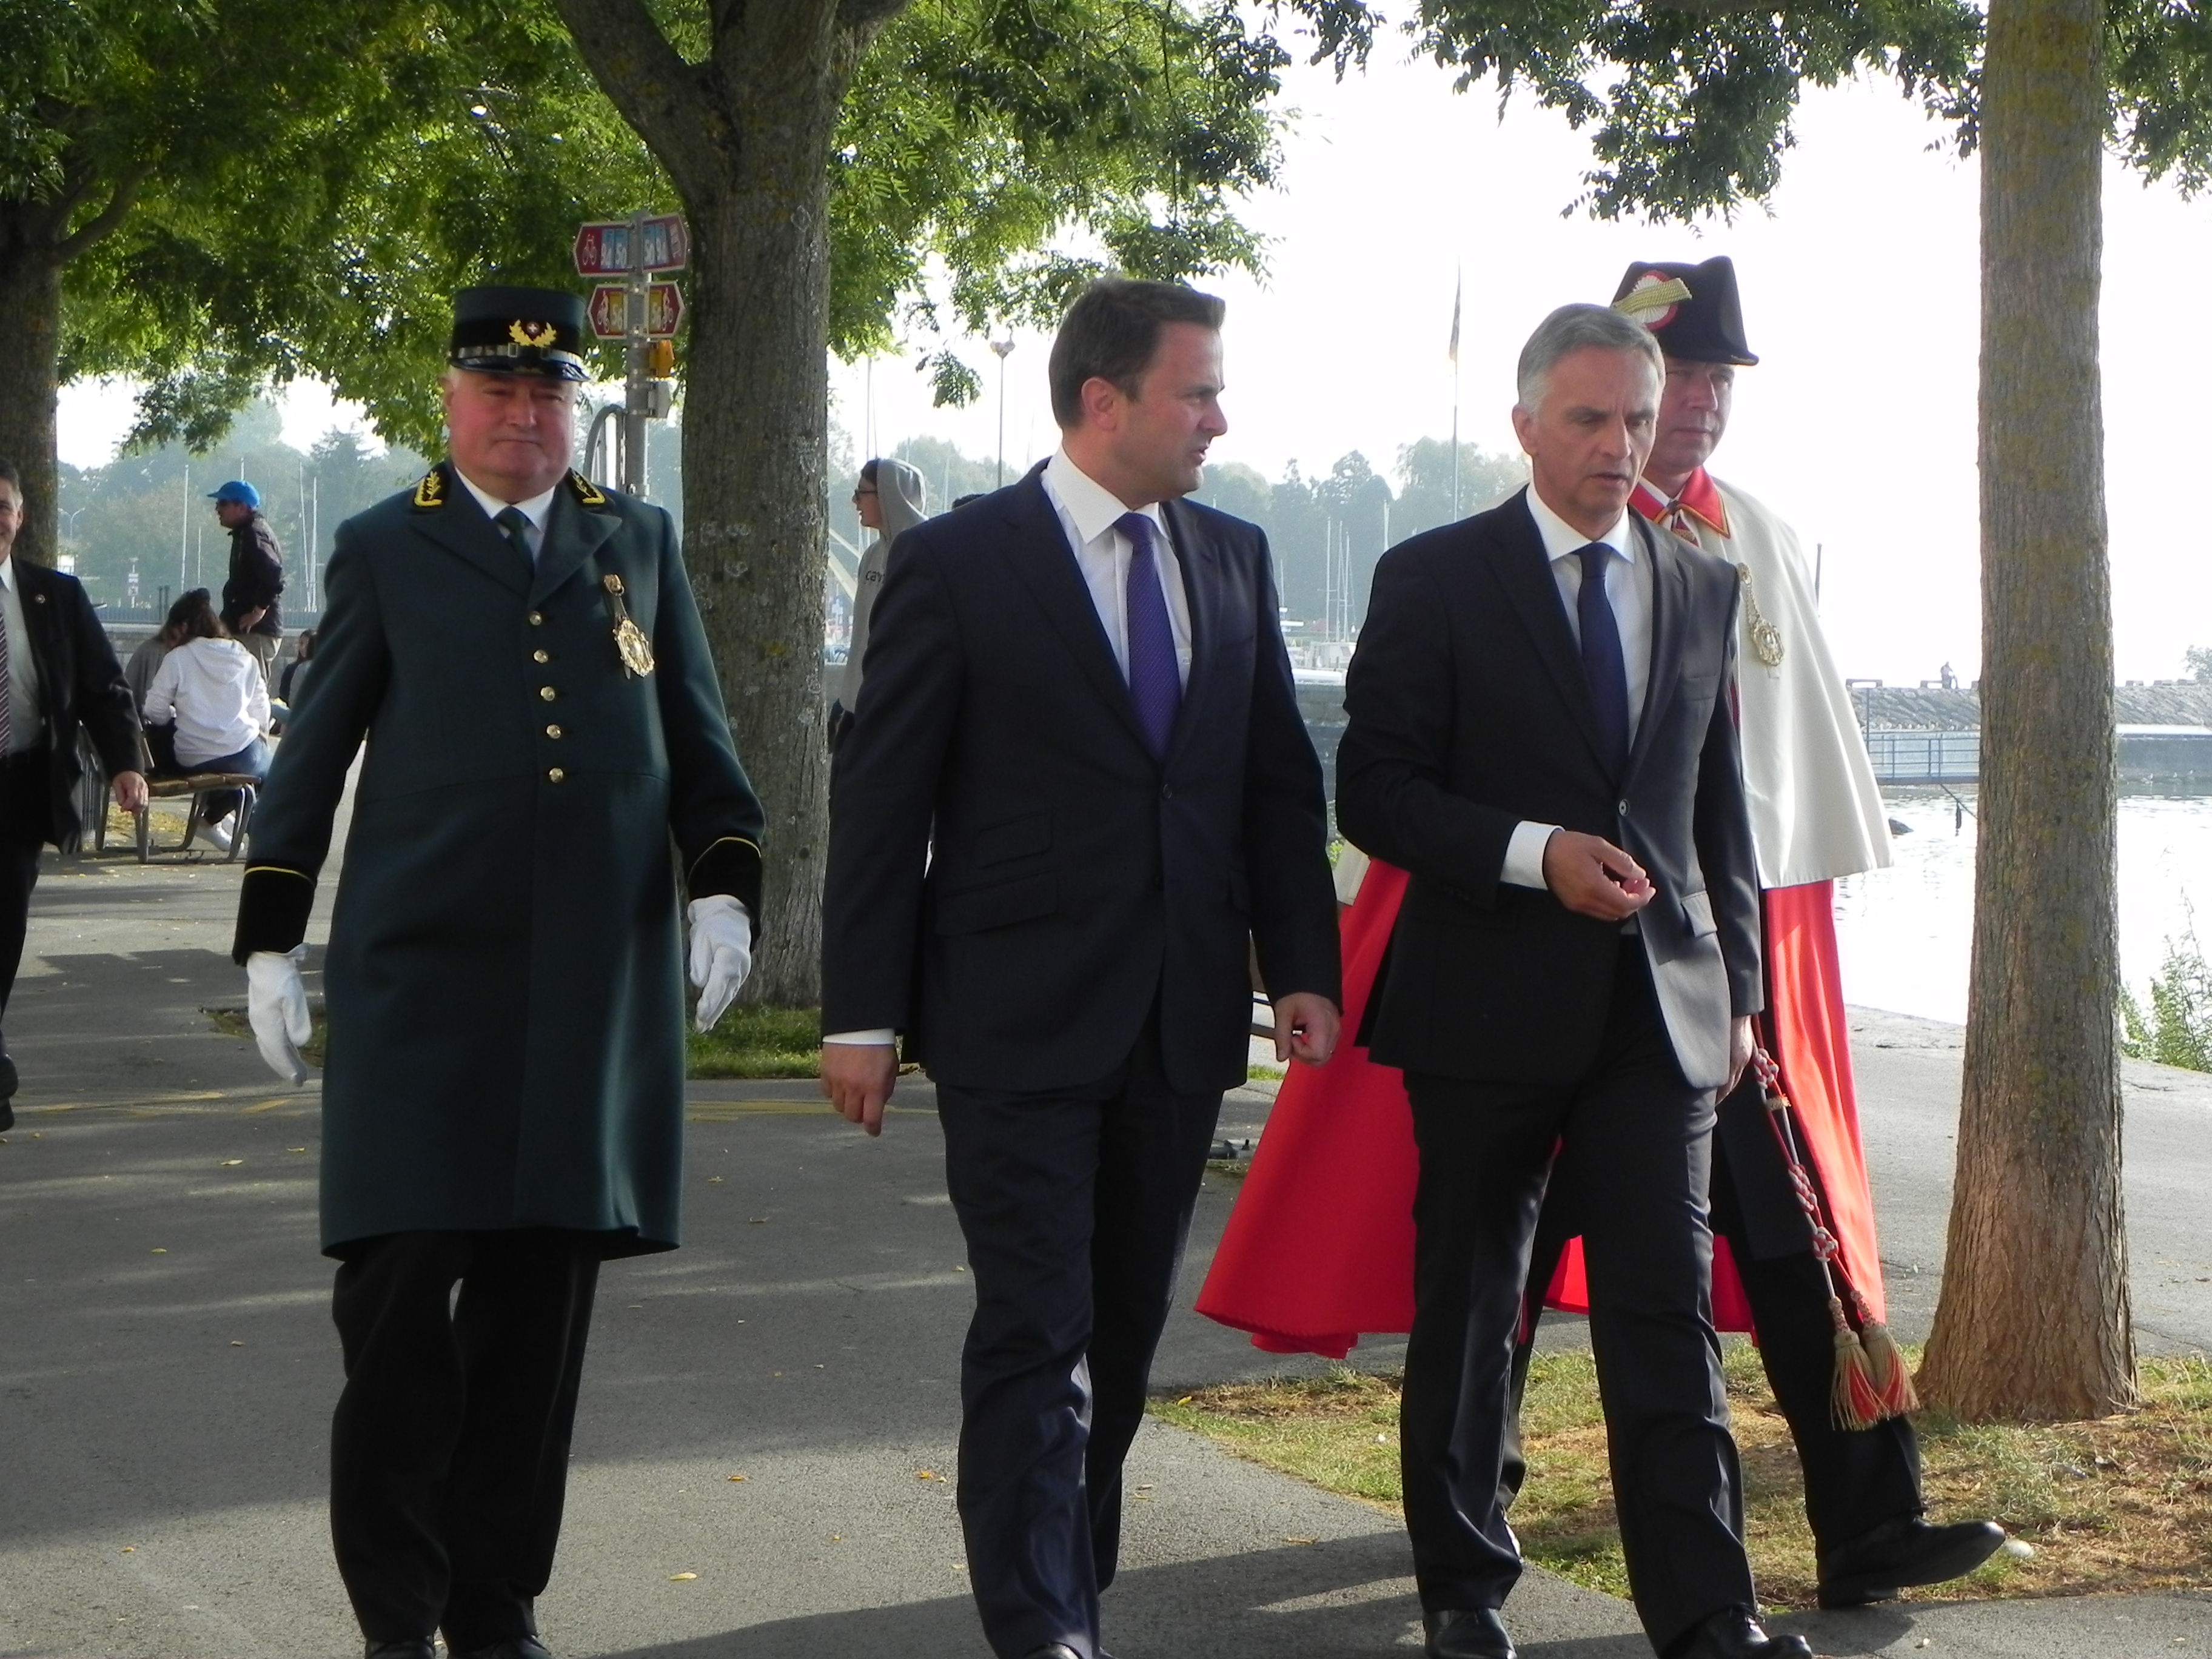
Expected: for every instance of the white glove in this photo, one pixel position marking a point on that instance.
(276, 1007)
(721, 955)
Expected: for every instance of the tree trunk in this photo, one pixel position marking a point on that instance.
(755, 436)
(2033, 1320)
(30, 354)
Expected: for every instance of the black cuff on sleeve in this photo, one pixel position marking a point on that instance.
(731, 866)
(272, 911)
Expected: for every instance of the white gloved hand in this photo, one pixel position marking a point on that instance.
(721, 955)
(276, 1007)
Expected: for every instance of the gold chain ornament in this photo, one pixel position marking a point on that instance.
(1765, 637)
(636, 650)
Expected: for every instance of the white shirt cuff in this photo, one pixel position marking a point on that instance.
(1524, 854)
(862, 1039)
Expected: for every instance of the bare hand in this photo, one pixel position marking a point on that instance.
(858, 1078)
(1306, 1028)
(130, 791)
(1593, 877)
(1740, 1047)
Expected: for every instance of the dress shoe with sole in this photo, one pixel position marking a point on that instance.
(1054, 1651)
(421, 1647)
(518, 1647)
(1733, 1633)
(1470, 1633)
(1875, 1565)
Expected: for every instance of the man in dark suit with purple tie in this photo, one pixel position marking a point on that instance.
(1540, 735)
(1076, 789)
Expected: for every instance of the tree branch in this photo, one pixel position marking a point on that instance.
(119, 203)
(868, 15)
(657, 92)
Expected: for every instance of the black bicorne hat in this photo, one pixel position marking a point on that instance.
(519, 330)
(1692, 310)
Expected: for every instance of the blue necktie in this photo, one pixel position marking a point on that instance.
(1155, 678)
(1602, 666)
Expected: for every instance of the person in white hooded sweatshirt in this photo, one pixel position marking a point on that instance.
(210, 687)
(890, 498)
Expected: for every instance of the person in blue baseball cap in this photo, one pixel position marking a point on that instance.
(257, 574)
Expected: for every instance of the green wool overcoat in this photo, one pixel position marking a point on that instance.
(504, 985)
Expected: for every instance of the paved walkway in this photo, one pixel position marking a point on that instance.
(169, 1366)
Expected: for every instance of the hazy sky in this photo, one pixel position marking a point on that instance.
(1860, 295)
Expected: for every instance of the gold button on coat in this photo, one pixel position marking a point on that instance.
(554, 774)
(548, 693)
(552, 730)
(541, 656)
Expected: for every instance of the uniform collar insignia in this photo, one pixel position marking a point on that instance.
(431, 492)
(1700, 500)
(587, 493)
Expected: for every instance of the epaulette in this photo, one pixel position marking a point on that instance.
(430, 494)
(587, 493)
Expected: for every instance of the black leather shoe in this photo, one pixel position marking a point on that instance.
(1477, 1633)
(1055, 1650)
(1876, 1566)
(421, 1647)
(519, 1647)
(1732, 1633)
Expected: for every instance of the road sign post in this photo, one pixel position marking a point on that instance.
(638, 311)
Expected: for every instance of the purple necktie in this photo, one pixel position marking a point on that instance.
(6, 700)
(1155, 678)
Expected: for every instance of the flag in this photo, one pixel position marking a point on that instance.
(1453, 354)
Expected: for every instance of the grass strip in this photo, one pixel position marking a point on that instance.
(746, 1043)
(2115, 1506)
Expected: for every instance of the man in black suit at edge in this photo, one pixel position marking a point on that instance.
(1539, 733)
(1076, 784)
(57, 671)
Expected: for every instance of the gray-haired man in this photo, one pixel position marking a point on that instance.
(1539, 734)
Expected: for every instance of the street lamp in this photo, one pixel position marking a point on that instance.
(1001, 350)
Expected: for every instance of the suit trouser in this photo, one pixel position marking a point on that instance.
(1637, 1139)
(1075, 1204)
(27, 815)
(1855, 1479)
(449, 1449)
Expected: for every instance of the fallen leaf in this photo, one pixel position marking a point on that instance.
(1301, 1540)
(714, 1181)
(1185, 1400)
(680, 1578)
(958, 1269)
(737, 1477)
(231, 1163)
(760, 1221)
(962, 1566)
(157, 1250)
(836, 1537)
(925, 1474)
(129, 1549)
(237, 1345)
(296, 1149)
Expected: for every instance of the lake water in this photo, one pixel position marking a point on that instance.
(1907, 932)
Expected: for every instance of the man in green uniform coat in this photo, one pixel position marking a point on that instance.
(548, 758)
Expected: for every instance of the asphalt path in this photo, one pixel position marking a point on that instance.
(169, 1367)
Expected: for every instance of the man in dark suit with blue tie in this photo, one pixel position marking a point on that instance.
(1076, 785)
(1540, 734)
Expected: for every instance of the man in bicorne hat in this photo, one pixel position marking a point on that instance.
(503, 1102)
(1816, 815)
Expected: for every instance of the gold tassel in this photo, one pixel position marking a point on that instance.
(1856, 1401)
(1892, 1383)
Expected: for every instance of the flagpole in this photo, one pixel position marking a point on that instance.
(1458, 279)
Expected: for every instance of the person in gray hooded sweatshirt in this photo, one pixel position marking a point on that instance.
(890, 498)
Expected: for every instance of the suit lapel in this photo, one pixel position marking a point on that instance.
(50, 652)
(1199, 560)
(1670, 598)
(572, 535)
(1522, 570)
(446, 513)
(1046, 566)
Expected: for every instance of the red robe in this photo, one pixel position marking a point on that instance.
(1319, 1248)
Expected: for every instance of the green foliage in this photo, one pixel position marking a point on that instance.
(2198, 657)
(979, 135)
(2176, 1029)
(752, 1042)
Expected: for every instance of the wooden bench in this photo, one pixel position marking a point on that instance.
(194, 788)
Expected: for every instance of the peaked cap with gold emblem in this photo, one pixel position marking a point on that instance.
(519, 330)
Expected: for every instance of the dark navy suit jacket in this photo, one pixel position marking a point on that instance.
(1013, 878)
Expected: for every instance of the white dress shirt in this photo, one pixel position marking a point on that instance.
(536, 509)
(25, 712)
(1628, 590)
(1088, 513)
